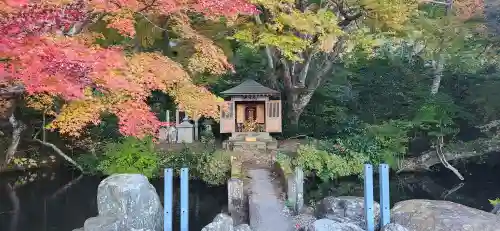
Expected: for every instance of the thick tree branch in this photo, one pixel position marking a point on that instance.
(453, 152)
(17, 128)
(443, 160)
(58, 151)
(348, 17)
(270, 60)
(12, 90)
(301, 81)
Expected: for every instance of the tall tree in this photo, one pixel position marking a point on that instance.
(304, 40)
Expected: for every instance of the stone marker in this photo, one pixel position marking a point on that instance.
(185, 132)
(126, 202)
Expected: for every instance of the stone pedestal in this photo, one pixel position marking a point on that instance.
(185, 132)
(163, 134)
(236, 200)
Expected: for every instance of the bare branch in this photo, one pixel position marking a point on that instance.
(59, 152)
(152, 23)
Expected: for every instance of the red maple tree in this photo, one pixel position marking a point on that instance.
(45, 48)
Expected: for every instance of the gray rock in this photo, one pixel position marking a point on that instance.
(339, 219)
(348, 209)
(329, 225)
(133, 200)
(242, 227)
(221, 222)
(79, 229)
(429, 215)
(394, 227)
(102, 223)
(307, 210)
(302, 221)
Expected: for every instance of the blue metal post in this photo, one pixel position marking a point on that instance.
(369, 218)
(168, 197)
(384, 195)
(184, 199)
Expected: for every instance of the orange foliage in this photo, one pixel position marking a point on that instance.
(90, 79)
(208, 57)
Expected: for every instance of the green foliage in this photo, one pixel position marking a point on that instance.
(392, 138)
(89, 163)
(328, 166)
(436, 117)
(209, 165)
(494, 202)
(185, 158)
(285, 163)
(214, 168)
(130, 155)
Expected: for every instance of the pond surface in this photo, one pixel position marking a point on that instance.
(48, 203)
(481, 183)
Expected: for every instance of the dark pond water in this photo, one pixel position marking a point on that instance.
(481, 183)
(48, 204)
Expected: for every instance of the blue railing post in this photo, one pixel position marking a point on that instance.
(184, 199)
(167, 199)
(384, 195)
(369, 218)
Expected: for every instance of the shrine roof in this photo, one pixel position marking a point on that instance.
(250, 87)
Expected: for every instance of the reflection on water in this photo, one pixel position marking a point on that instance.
(481, 183)
(62, 201)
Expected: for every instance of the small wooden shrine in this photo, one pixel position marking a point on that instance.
(251, 110)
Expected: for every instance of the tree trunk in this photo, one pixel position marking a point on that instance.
(297, 102)
(438, 68)
(17, 128)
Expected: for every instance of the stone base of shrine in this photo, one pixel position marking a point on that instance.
(241, 141)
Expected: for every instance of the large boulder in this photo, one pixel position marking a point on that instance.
(430, 215)
(102, 223)
(221, 222)
(329, 225)
(243, 227)
(393, 227)
(126, 202)
(346, 209)
(224, 222)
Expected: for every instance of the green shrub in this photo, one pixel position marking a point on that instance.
(177, 160)
(130, 155)
(285, 163)
(494, 202)
(89, 163)
(214, 167)
(210, 165)
(327, 165)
